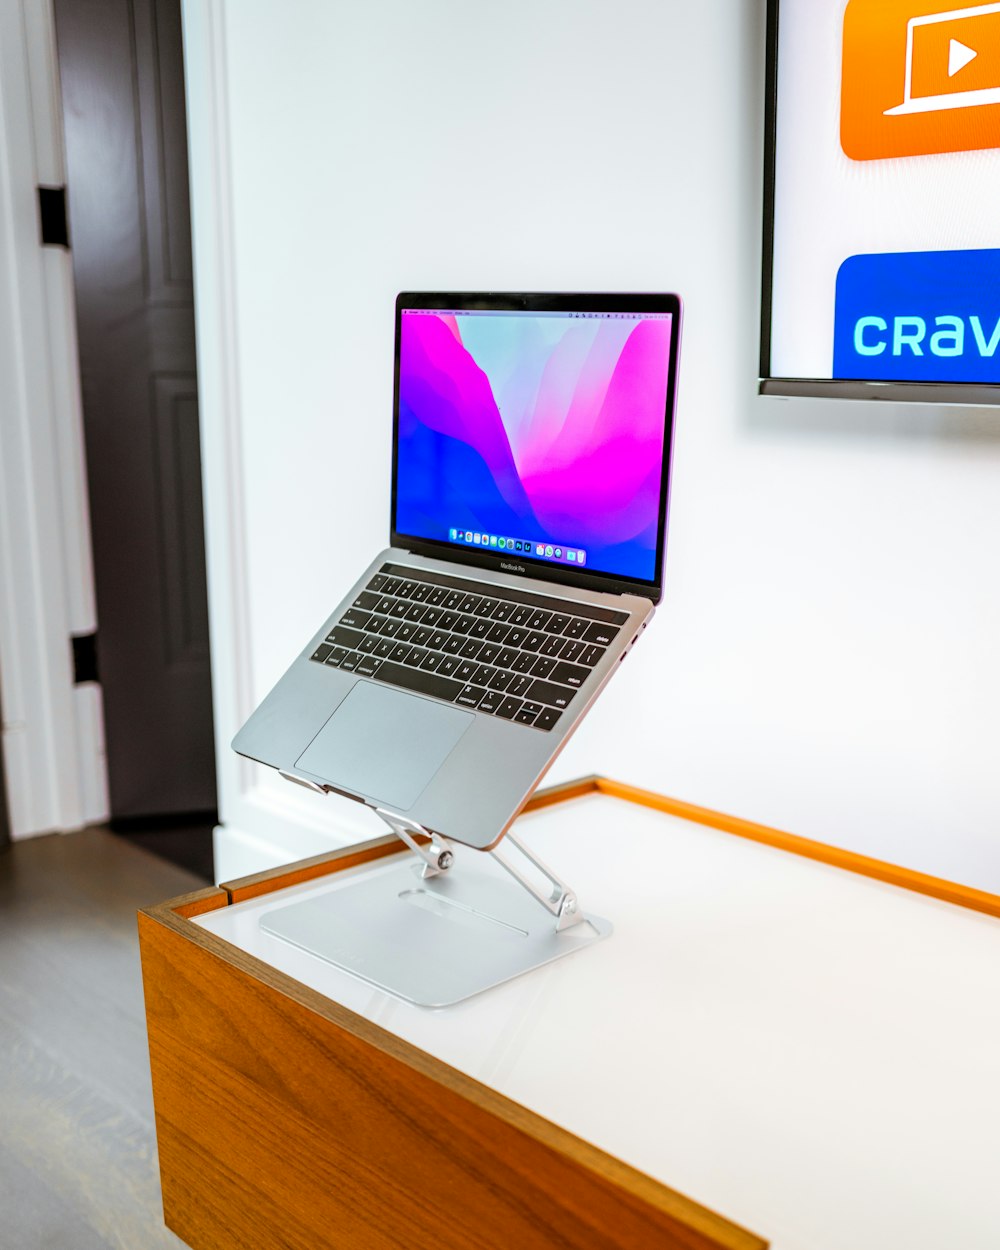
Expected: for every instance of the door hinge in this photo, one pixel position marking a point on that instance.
(84, 658)
(52, 216)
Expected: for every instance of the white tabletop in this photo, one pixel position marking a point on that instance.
(810, 1053)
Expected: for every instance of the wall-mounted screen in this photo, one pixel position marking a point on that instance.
(881, 228)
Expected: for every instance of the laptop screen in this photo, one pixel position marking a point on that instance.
(537, 433)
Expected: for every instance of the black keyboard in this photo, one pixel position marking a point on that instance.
(511, 653)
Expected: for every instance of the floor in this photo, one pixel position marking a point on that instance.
(78, 1166)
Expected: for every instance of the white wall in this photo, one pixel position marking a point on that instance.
(826, 657)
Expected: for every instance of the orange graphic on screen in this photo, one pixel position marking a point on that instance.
(919, 78)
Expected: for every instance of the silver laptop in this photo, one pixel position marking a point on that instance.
(530, 475)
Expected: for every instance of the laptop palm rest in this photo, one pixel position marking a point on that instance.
(385, 744)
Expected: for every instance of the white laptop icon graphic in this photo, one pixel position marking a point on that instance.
(960, 54)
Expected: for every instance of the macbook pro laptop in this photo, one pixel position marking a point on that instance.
(530, 475)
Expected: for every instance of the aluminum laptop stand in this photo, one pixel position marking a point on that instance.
(443, 926)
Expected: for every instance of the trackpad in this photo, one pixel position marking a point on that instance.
(384, 743)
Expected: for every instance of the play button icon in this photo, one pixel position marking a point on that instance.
(959, 56)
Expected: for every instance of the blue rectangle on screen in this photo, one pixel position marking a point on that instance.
(919, 317)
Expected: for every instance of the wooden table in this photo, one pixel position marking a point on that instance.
(808, 1053)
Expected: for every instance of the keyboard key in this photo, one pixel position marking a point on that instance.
(421, 593)
(351, 661)
(488, 653)
(506, 657)
(549, 694)
(490, 701)
(470, 603)
(368, 644)
(417, 680)
(399, 609)
(486, 607)
(383, 647)
(366, 601)
(353, 618)
(572, 649)
(533, 641)
(378, 582)
(557, 623)
(552, 645)
(542, 666)
(392, 585)
(336, 655)
(321, 652)
(432, 661)
(415, 612)
(570, 674)
(464, 672)
(453, 644)
(519, 683)
(470, 649)
(340, 636)
(436, 640)
(546, 718)
(516, 637)
(590, 655)
(448, 665)
(384, 606)
(406, 589)
(577, 627)
(417, 656)
(420, 635)
(533, 708)
(509, 708)
(482, 675)
(399, 652)
(502, 611)
(524, 717)
(498, 633)
(539, 619)
(431, 616)
(522, 662)
(447, 621)
(501, 680)
(451, 601)
(368, 666)
(389, 628)
(437, 596)
(602, 634)
(463, 624)
(470, 696)
(520, 614)
(405, 632)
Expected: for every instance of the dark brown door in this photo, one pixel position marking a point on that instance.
(121, 67)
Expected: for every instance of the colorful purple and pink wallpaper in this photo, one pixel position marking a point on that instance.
(542, 428)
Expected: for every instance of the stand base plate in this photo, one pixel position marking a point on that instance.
(431, 941)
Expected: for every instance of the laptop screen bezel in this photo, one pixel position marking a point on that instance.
(539, 302)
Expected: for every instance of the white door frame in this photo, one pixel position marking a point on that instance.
(52, 729)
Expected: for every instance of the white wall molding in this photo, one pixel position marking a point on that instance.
(263, 820)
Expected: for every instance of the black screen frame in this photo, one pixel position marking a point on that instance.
(532, 301)
(977, 394)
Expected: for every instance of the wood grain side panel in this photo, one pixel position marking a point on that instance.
(280, 1127)
(880, 870)
(198, 903)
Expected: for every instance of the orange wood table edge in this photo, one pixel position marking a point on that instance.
(212, 1080)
